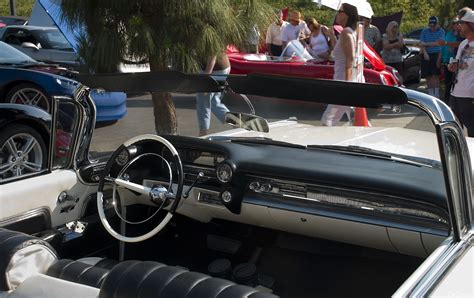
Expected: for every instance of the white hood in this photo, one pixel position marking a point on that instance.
(393, 139)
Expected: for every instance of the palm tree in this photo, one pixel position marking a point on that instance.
(169, 34)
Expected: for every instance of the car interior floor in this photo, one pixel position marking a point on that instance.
(288, 264)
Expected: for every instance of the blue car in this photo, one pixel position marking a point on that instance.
(35, 88)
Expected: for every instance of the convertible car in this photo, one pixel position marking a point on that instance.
(273, 205)
(296, 61)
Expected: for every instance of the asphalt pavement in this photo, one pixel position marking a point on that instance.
(140, 119)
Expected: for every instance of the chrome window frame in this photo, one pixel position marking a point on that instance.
(452, 143)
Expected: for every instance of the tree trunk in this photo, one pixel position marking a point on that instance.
(164, 110)
(165, 113)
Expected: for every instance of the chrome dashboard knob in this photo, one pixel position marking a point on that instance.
(254, 186)
(266, 187)
(226, 196)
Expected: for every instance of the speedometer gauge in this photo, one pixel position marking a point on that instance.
(122, 157)
(224, 173)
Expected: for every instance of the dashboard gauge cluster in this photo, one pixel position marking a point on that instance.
(201, 158)
(126, 155)
(224, 173)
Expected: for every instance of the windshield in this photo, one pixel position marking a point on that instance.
(53, 39)
(10, 55)
(405, 132)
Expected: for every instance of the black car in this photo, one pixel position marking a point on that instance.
(24, 140)
(415, 34)
(412, 38)
(411, 56)
(45, 44)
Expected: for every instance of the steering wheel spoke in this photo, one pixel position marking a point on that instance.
(133, 186)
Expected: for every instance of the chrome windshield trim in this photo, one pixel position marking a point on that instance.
(79, 126)
(437, 110)
(431, 273)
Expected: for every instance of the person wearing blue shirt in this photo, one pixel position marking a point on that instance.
(450, 47)
(431, 64)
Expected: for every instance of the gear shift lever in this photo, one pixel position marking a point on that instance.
(198, 177)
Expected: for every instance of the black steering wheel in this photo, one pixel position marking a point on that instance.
(156, 195)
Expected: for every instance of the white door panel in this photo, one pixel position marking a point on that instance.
(459, 280)
(42, 191)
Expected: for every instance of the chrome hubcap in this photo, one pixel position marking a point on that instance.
(31, 96)
(21, 154)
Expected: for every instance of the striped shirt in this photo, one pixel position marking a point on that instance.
(430, 36)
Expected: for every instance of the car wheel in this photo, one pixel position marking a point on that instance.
(22, 151)
(29, 94)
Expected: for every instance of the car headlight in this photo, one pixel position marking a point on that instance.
(383, 79)
(397, 75)
(70, 84)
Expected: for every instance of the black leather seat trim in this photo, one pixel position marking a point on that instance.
(182, 284)
(139, 273)
(76, 271)
(157, 280)
(152, 279)
(211, 287)
(237, 291)
(106, 263)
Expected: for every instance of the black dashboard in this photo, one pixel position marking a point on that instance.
(321, 182)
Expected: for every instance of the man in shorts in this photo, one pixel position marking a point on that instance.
(462, 96)
(431, 63)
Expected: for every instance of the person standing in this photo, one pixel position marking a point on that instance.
(462, 96)
(372, 34)
(295, 30)
(431, 63)
(211, 101)
(392, 47)
(273, 37)
(448, 52)
(344, 56)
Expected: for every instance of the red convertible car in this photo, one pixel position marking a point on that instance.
(296, 61)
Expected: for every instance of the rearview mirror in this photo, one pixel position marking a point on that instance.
(247, 121)
(29, 45)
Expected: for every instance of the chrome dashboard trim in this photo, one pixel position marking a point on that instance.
(306, 193)
(280, 204)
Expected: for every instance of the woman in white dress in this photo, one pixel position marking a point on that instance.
(344, 55)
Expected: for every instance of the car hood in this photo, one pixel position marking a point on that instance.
(47, 13)
(389, 139)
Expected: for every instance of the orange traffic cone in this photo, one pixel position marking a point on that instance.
(360, 117)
